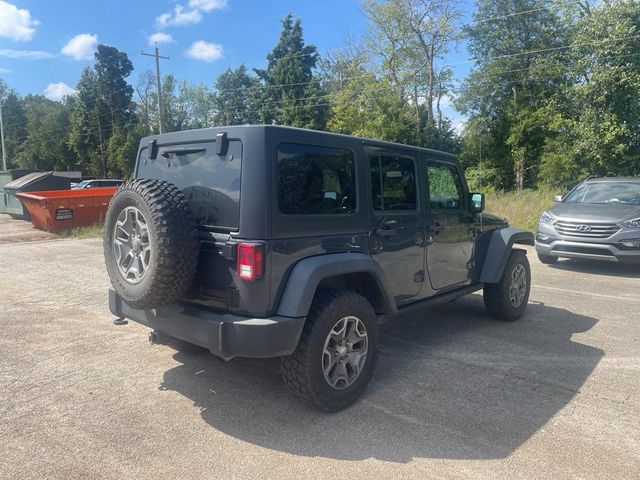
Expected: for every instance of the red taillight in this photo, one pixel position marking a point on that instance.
(250, 261)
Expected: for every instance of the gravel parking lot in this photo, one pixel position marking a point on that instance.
(455, 394)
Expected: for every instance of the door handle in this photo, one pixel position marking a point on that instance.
(436, 228)
(387, 229)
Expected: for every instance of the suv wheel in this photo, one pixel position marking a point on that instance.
(547, 259)
(150, 243)
(507, 299)
(336, 355)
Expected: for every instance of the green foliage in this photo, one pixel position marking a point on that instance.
(595, 119)
(235, 98)
(15, 130)
(289, 93)
(517, 57)
(47, 125)
(368, 107)
(103, 116)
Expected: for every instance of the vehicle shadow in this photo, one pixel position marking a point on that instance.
(450, 383)
(595, 267)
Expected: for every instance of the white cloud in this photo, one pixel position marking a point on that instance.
(207, 52)
(25, 54)
(81, 47)
(459, 126)
(160, 37)
(208, 5)
(4, 71)
(16, 23)
(446, 101)
(57, 91)
(179, 17)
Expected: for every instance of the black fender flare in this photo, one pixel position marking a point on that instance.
(498, 251)
(308, 273)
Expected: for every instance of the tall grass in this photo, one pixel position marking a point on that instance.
(523, 209)
(93, 231)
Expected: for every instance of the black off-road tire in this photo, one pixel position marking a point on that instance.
(547, 259)
(302, 371)
(496, 295)
(173, 241)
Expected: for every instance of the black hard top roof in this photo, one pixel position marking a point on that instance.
(209, 133)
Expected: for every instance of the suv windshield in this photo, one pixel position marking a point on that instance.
(606, 192)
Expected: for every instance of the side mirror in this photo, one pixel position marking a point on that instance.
(557, 198)
(476, 202)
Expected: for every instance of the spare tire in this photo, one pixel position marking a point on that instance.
(150, 243)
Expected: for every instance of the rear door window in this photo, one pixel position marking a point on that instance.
(314, 180)
(210, 182)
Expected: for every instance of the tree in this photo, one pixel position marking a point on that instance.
(15, 122)
(47, 124)
(412, 37)
(518, 49)
(594, 126)
(367, 107)
(289, 93)
(104, 109)
(235, 97)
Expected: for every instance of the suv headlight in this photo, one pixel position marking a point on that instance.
(545, 218)
(633, 223)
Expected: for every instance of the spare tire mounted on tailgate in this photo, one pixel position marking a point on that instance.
(150, 243)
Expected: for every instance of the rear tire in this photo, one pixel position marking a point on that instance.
(547, 259)
(321, 371)
(507, 299)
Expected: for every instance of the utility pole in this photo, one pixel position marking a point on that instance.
(158, 82)
(4, 152)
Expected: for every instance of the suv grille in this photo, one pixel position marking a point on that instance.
(586, 230)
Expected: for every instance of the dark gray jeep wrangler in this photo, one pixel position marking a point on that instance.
(266, 241)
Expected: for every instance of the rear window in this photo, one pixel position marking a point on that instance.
(315, 180)
(210, 182)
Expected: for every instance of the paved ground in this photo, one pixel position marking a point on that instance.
(455, 395)
(16, 230)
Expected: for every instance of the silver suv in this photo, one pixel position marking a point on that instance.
(599, 219)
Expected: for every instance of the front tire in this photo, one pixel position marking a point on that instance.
(507, 299)
(336, 354)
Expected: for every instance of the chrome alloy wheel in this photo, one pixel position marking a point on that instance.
(518, 285)
(132, 246)
(345, 352)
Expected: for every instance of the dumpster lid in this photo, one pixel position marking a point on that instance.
(27, 180)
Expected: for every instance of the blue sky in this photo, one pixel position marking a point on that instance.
(45, 44)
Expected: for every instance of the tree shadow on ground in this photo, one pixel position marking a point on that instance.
(450, 383)
(594, 267)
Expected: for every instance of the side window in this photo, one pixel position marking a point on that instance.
(445, 187)
(393, 183)
(315, 180)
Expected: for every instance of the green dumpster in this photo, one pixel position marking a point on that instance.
(33, 182)
(7, 176)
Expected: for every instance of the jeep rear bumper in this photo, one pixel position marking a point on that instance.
(225, 335)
